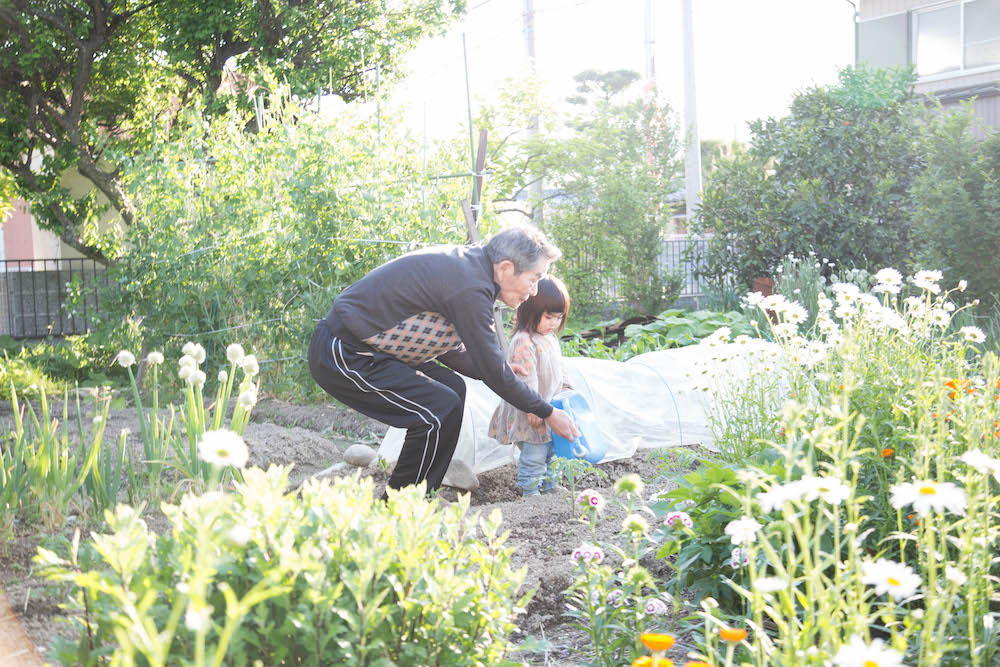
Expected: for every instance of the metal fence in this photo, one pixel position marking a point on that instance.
(34, 295)
(674, 257)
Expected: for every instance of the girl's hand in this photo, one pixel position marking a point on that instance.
(535, 420)
(518, 370)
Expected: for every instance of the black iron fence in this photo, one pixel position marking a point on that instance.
(48, 297)
(675, 257)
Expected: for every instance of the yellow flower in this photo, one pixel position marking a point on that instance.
(656, 641)
(733, 634)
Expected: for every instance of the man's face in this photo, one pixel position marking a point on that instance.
(515, 288)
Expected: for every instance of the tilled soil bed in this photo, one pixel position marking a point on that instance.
(543, 529)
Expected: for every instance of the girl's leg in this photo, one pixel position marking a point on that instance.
(531, 467)
(549, 483)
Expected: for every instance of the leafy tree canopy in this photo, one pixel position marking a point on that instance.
(84, 84)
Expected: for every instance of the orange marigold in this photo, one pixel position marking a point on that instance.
(733, 634)
(887, 452)
(958, 384)
(697, 663)
(656, 641)
(650, 661)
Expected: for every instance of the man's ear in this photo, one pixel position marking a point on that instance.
(503, 270)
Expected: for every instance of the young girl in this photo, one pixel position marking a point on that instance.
(535, 347)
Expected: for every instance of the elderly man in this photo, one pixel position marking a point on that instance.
(378, 348)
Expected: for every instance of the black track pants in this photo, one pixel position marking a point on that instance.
(427, 400)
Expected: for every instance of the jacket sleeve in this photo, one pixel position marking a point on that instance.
(471, 311)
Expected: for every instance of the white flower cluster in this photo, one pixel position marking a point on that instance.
(829, 489)
(588, 554)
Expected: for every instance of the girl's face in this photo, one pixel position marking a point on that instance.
(549, 323)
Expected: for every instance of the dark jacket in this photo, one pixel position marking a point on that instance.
(452, 282)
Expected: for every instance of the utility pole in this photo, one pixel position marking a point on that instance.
(692, 169)
(536, 191)
(649, 43)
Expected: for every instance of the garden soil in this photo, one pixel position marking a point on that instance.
(543, 529)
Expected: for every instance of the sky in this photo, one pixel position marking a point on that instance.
(751, 56)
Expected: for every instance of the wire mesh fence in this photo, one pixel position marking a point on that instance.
(36, 296)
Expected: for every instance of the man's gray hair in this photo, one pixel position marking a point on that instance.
(524, 246)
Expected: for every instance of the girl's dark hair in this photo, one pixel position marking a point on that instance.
(551, 297)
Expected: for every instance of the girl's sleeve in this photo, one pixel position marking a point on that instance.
(524, 352)
(566, 384)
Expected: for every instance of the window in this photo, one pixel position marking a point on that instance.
(882, 42)
(956, 37)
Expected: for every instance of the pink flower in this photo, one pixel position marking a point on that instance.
(677, 519)
(588, 553)
(590, 500)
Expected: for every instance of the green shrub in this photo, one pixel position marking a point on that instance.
(956, 204)
(831, 177)
(251, 236)
(326, 577)
(614, 173)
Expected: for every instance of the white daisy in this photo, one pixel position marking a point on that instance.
(954, 575)
(830, 489)
(940, 317)
(778, 495)
(795, 314)
(889, 281)
(926, 495)
(887, 576)
(743, 531)
(981, 462)
(928, 280)
(972, 334)
(223, 448)
(770, 584)
(856, 653)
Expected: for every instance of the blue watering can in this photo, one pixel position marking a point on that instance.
(590, 443)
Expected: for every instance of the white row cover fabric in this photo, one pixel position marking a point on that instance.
(651, 401)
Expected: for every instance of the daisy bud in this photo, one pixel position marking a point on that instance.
(635, 524)
(631, 483)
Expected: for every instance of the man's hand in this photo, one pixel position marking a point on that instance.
(517, 368)
(560, 422)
